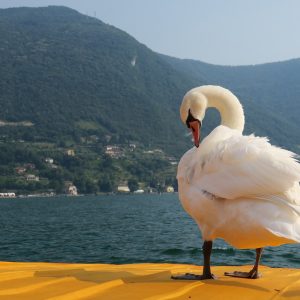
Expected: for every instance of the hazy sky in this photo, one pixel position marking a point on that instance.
(228, 32)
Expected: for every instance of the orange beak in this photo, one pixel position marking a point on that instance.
(195, 128)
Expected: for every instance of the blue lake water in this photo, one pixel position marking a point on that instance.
(115, 229)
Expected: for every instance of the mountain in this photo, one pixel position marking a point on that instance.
(270, 94)
(69, 76)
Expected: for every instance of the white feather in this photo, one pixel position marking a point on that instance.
(242, 189)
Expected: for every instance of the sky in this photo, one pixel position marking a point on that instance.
(224, 32)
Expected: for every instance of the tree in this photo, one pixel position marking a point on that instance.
(133, 184)
(57, 185)
(91, 187)
(107, 184)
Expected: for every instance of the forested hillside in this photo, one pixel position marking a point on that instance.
(270, 94)
(71, 75)
(69, 82)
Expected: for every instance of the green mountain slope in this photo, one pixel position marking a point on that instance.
(73, 76)
(270, 94)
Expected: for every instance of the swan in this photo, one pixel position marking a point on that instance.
(236, 187)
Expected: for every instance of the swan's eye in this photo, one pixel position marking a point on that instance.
(190, 119)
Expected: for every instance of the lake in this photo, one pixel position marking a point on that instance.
(115, 229)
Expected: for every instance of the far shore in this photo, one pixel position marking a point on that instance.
(46, 195)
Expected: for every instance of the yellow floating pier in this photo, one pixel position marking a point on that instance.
(59, 281)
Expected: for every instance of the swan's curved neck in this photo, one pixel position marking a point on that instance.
(231, 110)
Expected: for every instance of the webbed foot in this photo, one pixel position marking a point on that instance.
(253, 274)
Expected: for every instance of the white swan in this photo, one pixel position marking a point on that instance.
(238, 188)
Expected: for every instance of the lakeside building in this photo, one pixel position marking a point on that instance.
(70, 152)
(49, 160)
(123, 188)
(114, 151)
(70, 188)
(139, 191)
(32, 177)
(20, 170)
(7, 195)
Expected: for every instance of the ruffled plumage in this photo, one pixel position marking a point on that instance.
(242, 189)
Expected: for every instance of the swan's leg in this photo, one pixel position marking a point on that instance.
(207, 247)
(253, 274)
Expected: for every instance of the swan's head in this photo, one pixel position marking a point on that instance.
(192, 112)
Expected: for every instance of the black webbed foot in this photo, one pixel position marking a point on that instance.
(253, 274)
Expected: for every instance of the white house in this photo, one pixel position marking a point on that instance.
(72, 190)
(7, 195)
(32, 177)
(123, 189)
(49, 160)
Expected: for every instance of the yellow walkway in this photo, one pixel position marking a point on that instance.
(58, 281)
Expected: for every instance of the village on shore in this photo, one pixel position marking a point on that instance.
(113, 155)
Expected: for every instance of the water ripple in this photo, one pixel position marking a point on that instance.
(115, 229)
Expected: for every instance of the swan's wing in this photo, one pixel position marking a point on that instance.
(241, 166)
